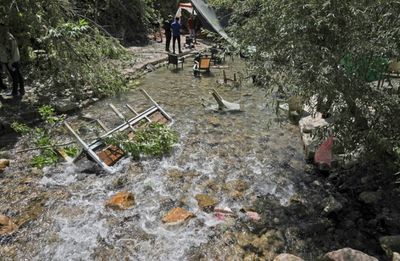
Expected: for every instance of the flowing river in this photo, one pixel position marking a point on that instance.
(235, 158)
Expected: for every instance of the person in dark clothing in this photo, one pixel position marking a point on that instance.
(9, 58)
(167, 29)
(176, 34)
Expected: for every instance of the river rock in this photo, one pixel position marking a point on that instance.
(205, 202)
(390, 244)
(214, 121)
(237, 185)
(332, 205)
(287, 257)
(7, 226)
(348, 254)
(396, 256)
(369, 197)
(4, 163)
(177, 215)
(121, 201)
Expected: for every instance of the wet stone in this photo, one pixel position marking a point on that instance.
(177, 216)
(121, 201)
(287, 257)
(390, 244)
(175, 174)
(4, 163)
(7, 226)
(206, 202)
(348, 254)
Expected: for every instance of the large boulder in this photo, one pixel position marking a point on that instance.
(287, 257)
(4, 163)
(121, 201)
(7, 226)
(390, 244)
(348, 254)
(177, 216)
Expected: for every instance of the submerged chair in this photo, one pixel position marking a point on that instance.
(175, 59)
(202, 64)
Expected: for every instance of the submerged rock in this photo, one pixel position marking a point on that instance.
(287, 257)
(348, 254)
(121, 201)
(4, 163)
(7, 226)
(390, 244)
(332, 205)
(370, 197)
(177, 215)
(205, 202)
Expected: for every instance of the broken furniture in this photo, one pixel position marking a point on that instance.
(107, 155)
(202, 63)
(217, 55)
(189, 42)
(175, 60)
(223, 105)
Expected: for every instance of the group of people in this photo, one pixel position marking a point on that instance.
(9, 61)
(172, 29)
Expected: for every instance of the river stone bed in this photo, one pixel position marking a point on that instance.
(244, 161)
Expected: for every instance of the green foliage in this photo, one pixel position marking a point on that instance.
(153, 140)
(20, 128)
(300, 46)
(41, 138)
(64, 56)
(46, 158)
(47, 113)
(71, 151)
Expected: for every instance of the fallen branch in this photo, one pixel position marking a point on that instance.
(46, 147)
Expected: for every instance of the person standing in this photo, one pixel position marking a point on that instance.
(167, 29)
(176, 34)
(191, 27)
(9, 58)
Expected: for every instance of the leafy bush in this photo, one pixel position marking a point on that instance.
(332, 50)
(153, 140)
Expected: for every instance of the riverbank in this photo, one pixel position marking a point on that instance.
(246, 162)
(144, 59)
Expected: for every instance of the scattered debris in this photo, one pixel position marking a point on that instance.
(177, 216)
(121, 201)
(223, 213)
(323, 155)
(225, 105)
(107, 155)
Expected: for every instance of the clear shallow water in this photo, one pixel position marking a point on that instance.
(214, 150)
